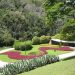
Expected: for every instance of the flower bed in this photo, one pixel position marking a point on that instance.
(43, 50)
(16, 55)
(65, 48)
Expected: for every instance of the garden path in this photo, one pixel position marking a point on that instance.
(67, 55)
(2, 64)
(5, 50)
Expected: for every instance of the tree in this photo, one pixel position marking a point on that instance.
(52, 14)
(5, 36)
(68, 31)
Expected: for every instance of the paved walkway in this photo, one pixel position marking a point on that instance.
(2, 64)
(10, 49)
(67, 55)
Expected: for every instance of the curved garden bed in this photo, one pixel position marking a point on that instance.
(42, 51)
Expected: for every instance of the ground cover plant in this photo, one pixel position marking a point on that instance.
(27, 65)
(66, 67)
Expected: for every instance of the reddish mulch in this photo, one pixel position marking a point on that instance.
(17, 55)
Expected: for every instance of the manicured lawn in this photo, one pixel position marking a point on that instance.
(66, 67)
(52, 52)
(34, 49)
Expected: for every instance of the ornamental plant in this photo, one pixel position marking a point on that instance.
(27, 65)
(23, 45)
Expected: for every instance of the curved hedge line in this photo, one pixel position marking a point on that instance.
(41, 40)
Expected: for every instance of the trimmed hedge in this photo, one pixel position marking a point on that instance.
(44, 39)
(23, 45)
(36, 40)
(41, 40)
(27, 65)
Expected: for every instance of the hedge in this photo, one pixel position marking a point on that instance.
(23, 45)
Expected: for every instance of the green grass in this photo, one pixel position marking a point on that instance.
(60, 68)
(52, 52)
(34, 49)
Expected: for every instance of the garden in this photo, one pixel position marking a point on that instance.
(32, 49)
(37, 36)
(29, 55)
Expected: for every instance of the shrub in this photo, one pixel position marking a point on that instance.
(44, 39)
(9, 42)
(57, 36)
(36, 40)
(23, 45)
(1, 42)
(48, 39)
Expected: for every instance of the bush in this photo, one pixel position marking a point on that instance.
(23, 45)
(9, 42)
(1, 42)
(57, 36)
(44, 39)
(27, 65)
(48, 38)
(35, 40)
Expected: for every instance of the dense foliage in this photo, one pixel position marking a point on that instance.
(60, 17)
(22, 18)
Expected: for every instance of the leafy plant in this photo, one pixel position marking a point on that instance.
(27, 65)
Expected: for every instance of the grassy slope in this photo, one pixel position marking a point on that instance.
(60, 68)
